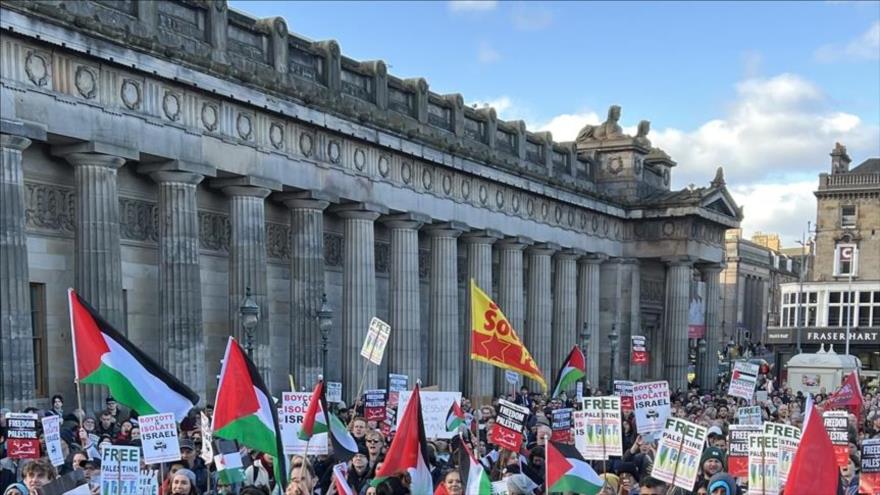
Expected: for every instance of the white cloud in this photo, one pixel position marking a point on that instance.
(782, 208)
(864, 47)
(486, 54)
(472, 5)
(500, 104)
(532, 20)
(565, 127)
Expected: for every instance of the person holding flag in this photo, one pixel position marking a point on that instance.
(408, 452)
(573, 369)
(454, 418)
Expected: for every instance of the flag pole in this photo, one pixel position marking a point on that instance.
(358, 394)
(75, 363)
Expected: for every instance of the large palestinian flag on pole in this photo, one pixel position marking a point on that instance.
(567, 471)
(408, 452)
(244, 410)
(473, 477)
(573, 369)
(102, 356)
(315, 421)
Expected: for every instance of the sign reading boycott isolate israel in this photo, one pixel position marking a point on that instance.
(159, 438)
(651, 401)
(52, 436)
(291, 416)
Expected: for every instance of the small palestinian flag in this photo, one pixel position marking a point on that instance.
(473, 477)
(344, 445)
(244, 409)
(567, 471)
(340, 479)
(102, 356)
(228, 462)
(315, 421)
(408, 452)
(455, 417)
(572, 370)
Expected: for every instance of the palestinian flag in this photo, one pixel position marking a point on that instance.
(102, 356)
(455, 417)
(473, 477)
(244, 410)
(228, 462)
(340, 479)
(344, 445)
(572, 370)
(567, 471)
(315, 421)
(408, 452)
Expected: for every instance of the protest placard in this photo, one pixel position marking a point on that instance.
(376, 340)
(291, 416)
(374, 404)
(738, 449)
(499, 487)
(639, 350)
(148, 482)
(597, 429)
(334, 392)
(159, 438)
(512, 377)
(72, 483)
(120, 470)
(837, 426)
(624, 390)
(749, 415)
(579, 391)
(651, 405)
(52, 437)
(508, 428)
(207, 452)
(679, 452)
(743, 380)
(560, 424)
(763, 464)
(396, 384)
(789, 438)
(21, 436)
(869, 478)
(435, 405)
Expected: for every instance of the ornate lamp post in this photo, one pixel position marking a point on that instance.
(613, 337)
(585, 348)
(325, 323)
(701, 351)
(249, 314)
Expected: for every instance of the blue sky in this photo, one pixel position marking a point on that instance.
(764, 89)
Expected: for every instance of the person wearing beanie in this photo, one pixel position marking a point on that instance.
(713, 461)
(184, 483)
(722, 484)
(612, 484)
(16, 489)
(629, 477)
(359, 469)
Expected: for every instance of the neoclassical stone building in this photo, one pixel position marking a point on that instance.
(161, 157)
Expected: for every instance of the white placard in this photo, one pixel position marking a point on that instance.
(435, 405)
(148, 482)
(121, 470)
(334, 392)
(159, 438)
(52, 435)
(743, 380)
(512, 377)
(207, 453)
(377, 339)
(499, 487)
(291, 416)
(651, 404)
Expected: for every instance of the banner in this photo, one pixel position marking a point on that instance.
(291, 417)
(749, 415)
(52, 437)
(560, 423)
(508, 428)
(21, 436)
(651, 405)
(679, 452)
(374, 404)
(743, 380)
(377, 339)
(435, 405)
(396, 384)
(334, 392)
(763, 465)
(738, 449)
(639, 350)
(121, 469)
(697, 311)
(148, 482)
(869, 478)
(159, 438)
(207, 453)
(624, 390)
(789, 439)
(597, 429)
(837, 426)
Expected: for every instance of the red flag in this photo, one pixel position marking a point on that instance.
(848, 396)
(408, 452)
(814, 468)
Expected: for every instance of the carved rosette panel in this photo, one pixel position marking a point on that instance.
(171, 105)
(50, 207)
(382, 257)
(37, 68)
(278, 241)
(214, 231)
(210, 116)
(139, 220)
(130, 94)
(86, 82)
(333, 245)
(276, 135)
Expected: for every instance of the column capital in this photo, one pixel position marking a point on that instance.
(543, 249)
(570, 253)
(306, 200)
(486, 236)
(593, 259)
(515, 243)
(93, 148)
(446, 229)
(17, 143)
(177, 171)
(711, 268)
(95, 159)
(678, 261)
(248, 185)
(408, 221)
(365, 211)
(177, 177)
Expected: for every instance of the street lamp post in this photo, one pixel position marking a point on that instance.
(325, 323)
(249, 314)
(613, 337)
(585, 347)
(701, 350)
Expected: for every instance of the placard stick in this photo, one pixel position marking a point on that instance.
(357, 396)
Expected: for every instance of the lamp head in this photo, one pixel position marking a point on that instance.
(249, 311)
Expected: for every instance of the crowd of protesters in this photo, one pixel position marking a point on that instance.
(83, 436)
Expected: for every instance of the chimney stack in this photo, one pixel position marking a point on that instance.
(839, 159)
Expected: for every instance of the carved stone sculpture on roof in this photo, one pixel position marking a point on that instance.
(609, 129)
(718, 181)
(642, 134)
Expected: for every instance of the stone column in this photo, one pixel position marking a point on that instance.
(404, 351)
(306, 282)
(565, 329)
(478, 381)
(247, 261)
(358, 292)
(539, 316)
(181, 337)
(633, 322)
(707, 374)
(510, 292)
(589, 268)
(678, 280)
(444, 334)
(17, 380)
